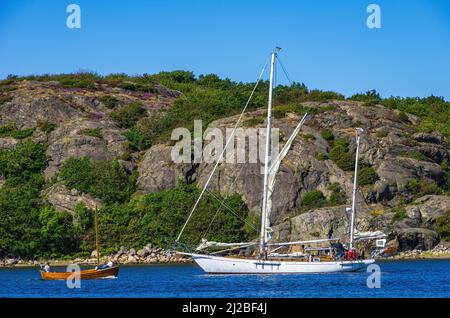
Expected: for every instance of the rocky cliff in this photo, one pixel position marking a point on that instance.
(388, 145)
(404, 197)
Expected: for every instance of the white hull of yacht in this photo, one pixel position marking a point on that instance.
(227, 265)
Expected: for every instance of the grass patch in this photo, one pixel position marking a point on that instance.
(46, 126)
(382, 133)
(419, 187)
(327, 134)
(367, 176)
(253, 122)
(415, 154)
(371, 102)
(7, 89)
(131, 86)
(341, 155)
(5, 99)
(10, 130)
(316, 199)
(109, 101)
(399, 213)
(337, 196)
(308, 136)
(128, 115)
(402, 117)
(80, 80)
(93, 132)
(313, 199)
(321, 156)
(7, 82)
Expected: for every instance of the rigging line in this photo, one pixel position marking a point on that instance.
(213, 219)
(220, 207)
(230, 209)
(284, 70)
(223, 151)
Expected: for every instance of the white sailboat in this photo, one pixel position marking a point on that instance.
(267, 257)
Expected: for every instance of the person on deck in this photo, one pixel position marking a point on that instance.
(105, 266)
(345, 252)
(46, 267)
(339, 249)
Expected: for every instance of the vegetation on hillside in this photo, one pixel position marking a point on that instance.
(443, 224)
(20, 226)
(30, 227)
(106, 180)
(158, 217)
(316, 199)
(10, 130)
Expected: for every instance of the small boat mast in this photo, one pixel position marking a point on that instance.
(97, 243)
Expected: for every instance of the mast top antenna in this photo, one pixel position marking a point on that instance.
(277, 49)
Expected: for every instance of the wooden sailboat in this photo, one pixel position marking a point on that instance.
(109, 272)
(285, 257)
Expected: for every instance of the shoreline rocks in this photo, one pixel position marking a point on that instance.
(149, 254)
(439, 251)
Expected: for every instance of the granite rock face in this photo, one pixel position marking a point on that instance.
(64, 199)
(157, 171)
(396, 151)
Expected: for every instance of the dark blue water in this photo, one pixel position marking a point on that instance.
(418, 278)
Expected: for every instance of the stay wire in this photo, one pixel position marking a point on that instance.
(284, 70)
(221, 154)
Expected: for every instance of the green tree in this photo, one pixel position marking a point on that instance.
(337, 194)
(313, 199)
(19, 220)
(367, 175)
(22, 162)
(57, 234)
(77, 173)
(128, 115)
(111, 183)
(22, 166)
(443, 225)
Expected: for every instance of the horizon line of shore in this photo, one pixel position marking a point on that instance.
(159, 256)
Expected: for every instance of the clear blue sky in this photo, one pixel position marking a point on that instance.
(326, 44)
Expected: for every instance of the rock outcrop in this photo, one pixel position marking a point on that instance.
(72, 111)
(392, 147)
(158, 172)
(64, 199)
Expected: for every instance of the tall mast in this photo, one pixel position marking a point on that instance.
(97, 244)
(355, 186)
(263, 234)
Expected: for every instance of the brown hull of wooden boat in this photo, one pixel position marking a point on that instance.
(84, 274)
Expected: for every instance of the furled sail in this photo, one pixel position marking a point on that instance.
(369, 235)
(273, 172)
(206, 244)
